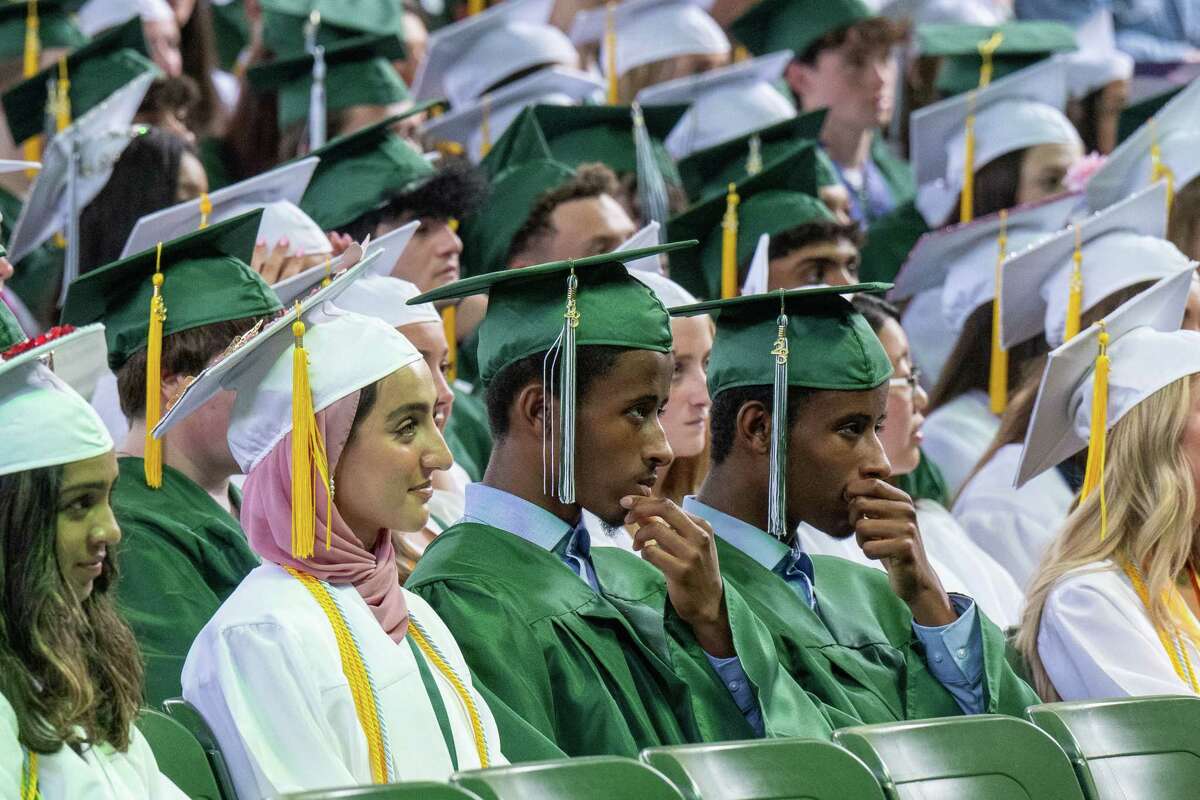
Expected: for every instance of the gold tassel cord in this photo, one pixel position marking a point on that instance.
(328, 279)
(1159, 171)
(610, 52)
(32, 62)
(729, 240)
(460, 690)
(1172, 642)
(205, 209)
(485, 125)
(998, 365)
(450, 326)
(1093, 475)
(153, 456)
(308, 455)
(1075, 291)
(62, 102)
(987, 49)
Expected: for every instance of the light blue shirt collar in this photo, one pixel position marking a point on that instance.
(499, 509)
(765, 549)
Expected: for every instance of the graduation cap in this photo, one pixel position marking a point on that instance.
(1136, 115)
(553, 309)
(76, 355)
(277, 192)
(1094, 380)
(11, 165)
(795, 25)
(726, 103)
(1166, 147)
(466, 58)
(285, 22)
(649, 270)
(1097, 62)
(101, 15)
(481, 125)
(810, 338)
(55, 29)
(377, 294)
(1050, 286)
(383, 253)
(728, 226)
(1021, 44)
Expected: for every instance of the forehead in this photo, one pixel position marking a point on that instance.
(637, 372)
(425, 336)
(98, 469)
(830, 404)
(412, 384)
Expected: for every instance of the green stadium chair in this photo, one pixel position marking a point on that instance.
(397, 791)
(186, 715)
(589, 778)
(180, 757)
(1131, 749)
(774, 769)
(982, 757)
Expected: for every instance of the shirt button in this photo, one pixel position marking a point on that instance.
(735, 686)
(962, 652)
(937, 657)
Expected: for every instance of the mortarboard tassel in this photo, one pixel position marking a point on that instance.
(62, 102)
(308, 453)
(610, 51)
(317, 126)
(29, 776)
(777, 514)
(1159, 170)
(567, 415)
(998, 375)
(729, 238)
(966, 208)
(328, 279)
(485, 125)
(32, 60)
(1075, 293)
(205, 209)
(1093, 475)
(652, 189)
(754, 163)
(475, 7)
(152, 457)
(450, 325)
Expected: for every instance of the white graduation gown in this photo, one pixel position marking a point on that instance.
(1096, 640)
(958, 434)
(266, 675)
(100, 773)
(1013, 526)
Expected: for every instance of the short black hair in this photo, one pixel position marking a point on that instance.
(593, 362)
(727, 404)
(807, 233)
(875, 309)
(453, 192)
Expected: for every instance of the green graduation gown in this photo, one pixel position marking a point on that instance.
(608, 673)
(181, 555)
(896, 172)
(860, 655)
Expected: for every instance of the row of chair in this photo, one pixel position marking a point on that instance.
(1132, 749)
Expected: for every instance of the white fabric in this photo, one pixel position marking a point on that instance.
(1096, 640)
(653, 31)
(266, 676)
(1013, 526)
(1097, 62)
(758, 276)
(386, 298)
(507, 51)
(100, 773)
(727, 113)
(44, 422)
(958, 434)
(106, 400)
(930, 338)
(97, 16)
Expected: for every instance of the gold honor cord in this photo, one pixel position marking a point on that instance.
(205, 209)
(475, 7)
(998, 366)
(29, 777)
(434, 656)
(1173, 642)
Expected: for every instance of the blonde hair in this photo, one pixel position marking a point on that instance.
(1151, 500)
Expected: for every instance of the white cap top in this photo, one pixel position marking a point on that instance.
(648, 270)
(652, 30)
(386, 298)
(1146, 352)
(96, 16)
(758, 276)
(1097, 62)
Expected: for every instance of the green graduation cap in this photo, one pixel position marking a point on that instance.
(56, 28)
(777, 199)
(94, 72)
(285, 22)
(795, 25)
(1017, 45)
(360, 171)
(555, 308)
(810, 338)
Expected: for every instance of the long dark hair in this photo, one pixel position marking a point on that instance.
(198, 49)
(996, 185)
(63, 664)
(970, 361)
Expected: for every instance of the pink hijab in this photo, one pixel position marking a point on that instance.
(267, 519)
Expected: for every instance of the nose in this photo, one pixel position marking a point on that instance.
(657, 452)
(875, 462)
(445, 395)
(920, 399)
(448, 241)
(438, 456)
(106, 531)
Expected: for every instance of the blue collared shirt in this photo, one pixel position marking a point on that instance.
(499, 509)
(954, 652)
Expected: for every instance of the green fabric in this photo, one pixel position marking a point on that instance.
(56, 28)
(467, 433)
(1022, 43)
(231, 31)
(926, 483)
(859, 654)
(833, 346)
(889, 241)
(206, 279)
(608, 673)
(435, 700)
(95, 71)
(781, 197)
(38, 276)
(1138, 114)
(284, 21)
(214, 156)
(795, 25)
(897, 173)
(181, 556)
(361, 171)
(10, 329)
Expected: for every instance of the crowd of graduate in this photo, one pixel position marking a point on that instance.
(415, 387)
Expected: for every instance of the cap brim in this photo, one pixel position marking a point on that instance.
(79, 357)
(685, 90)
(390, 247)
(297, 286)
(750, 302)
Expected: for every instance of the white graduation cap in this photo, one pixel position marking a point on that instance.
(1176, 130)
(758, 277)
(377, 294)
(289, 290)
(1120, 247)
(1146, 351)
(78, 356)
(1097, 62)
(649, 271)
(651, 30)
(96, 16)
(1020, 110)
(726, 103)
(277, 192)
(560, 86)
(465, 58)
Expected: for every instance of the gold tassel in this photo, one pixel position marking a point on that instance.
(62, 103)
(729, 240)
(308, 452)
(966, 208)
(485, 125)
(998, 377)
(1093, 476)
(754, 162)
(740, 54)
(475, 7)
(33, 58)
(450, 325)
(1075, 296)
(610, 52)
(152, 457)
(205, 209)
(1159, 170)
(328, 279)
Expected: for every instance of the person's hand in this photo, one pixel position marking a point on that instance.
(275, 265)
(339, 241)
(684, 548)
(885, 525)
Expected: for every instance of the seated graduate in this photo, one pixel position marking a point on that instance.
(185, 552)
(1112, 609)
(71, 675)
(800, 392)
(596, 650)
(320, 670)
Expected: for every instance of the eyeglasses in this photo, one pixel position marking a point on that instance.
(912, 381)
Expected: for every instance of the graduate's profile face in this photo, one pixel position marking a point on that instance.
(834, 440)
(855, 81)
(431, 257)
(588, 226)
(833, 262)
(85, 528)
(430, 340)
(620, 441)
(1044, 169)
(686, 417)
(901, 434)
(193, 180)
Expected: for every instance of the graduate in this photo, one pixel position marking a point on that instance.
(1113, 607)
(595, 650)
(70, 689)
(800, 388)
(320, 670)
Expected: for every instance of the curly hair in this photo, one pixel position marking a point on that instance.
(454, 192)
(590, 180)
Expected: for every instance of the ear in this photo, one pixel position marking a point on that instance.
(528, 413)
(754, 428)
(798, 77)
(172, 387)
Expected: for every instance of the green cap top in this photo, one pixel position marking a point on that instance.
(1020, 45)
(206, 279)
(832, 346)
(359, 72)
(56, 28)
(95, 71)
(795, 24)
(285, 21)
(360, 171)
(777, 199)
(526, 307)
